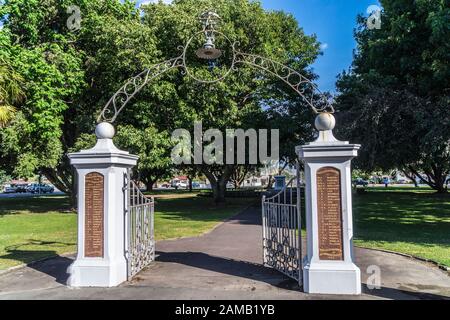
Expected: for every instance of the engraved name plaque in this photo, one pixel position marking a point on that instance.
(93, 225)
(329, 214)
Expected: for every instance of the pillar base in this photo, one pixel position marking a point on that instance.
(97, 273)
(329, 277)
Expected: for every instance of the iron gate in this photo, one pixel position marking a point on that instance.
(281, 221)
(139, 219)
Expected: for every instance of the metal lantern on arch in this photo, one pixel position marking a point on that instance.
(209, 51)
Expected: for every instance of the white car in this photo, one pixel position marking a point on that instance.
(182, 185)
(9, 189)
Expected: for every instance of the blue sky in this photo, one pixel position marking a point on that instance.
(333, 21)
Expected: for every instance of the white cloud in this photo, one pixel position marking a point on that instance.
(324, 46)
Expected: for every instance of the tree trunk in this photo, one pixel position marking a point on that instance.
(219, 184)
(219, 192)
(411, 177)
(149, 180)
(149, 185)
(269, 183)
(64, 181)
(190, 184)
(435, 178)
(280, 170)
(238, 176)
(440, 184)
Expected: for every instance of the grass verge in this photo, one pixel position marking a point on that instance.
(36, 228)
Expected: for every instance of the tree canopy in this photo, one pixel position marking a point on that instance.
(395, 98)
(70, 75)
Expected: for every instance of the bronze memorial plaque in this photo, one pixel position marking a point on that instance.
(329, 212)
(93, 218)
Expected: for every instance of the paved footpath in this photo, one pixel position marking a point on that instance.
(224, 264)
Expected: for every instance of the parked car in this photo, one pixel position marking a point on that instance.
(165, 185)
(21, 188)
(360, 182)
(196, 185)
(177, 184)
(40, 188)
(182, 184)
(9, 189)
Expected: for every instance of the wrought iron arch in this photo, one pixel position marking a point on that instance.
(304, 87)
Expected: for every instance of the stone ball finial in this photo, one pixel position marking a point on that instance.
(105, 130)
(325, 122)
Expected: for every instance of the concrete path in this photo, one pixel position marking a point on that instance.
(224, 264)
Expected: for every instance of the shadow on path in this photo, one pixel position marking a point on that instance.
(45, 261)
(228, 266)
(397, 294)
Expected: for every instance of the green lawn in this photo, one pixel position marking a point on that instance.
(407, 220)
(35, 228)
(192, 216)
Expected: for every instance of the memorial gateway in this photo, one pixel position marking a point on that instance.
(112, 249)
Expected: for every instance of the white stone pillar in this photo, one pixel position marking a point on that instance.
(101, 175)
(328, 266)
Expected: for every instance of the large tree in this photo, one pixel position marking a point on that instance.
(71, 75)
(247, 98)
(395, 99)
(68, 76)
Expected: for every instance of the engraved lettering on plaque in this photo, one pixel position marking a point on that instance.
(329, 212)
(93, 218)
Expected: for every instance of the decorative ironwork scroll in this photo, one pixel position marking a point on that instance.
(304, 87)
(132, 87)
(282, 247)
(296, 81)
(140, 250)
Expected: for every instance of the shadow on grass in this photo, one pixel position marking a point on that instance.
(417, 218)
(199, 209)
(45, 261)
(42, 204)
